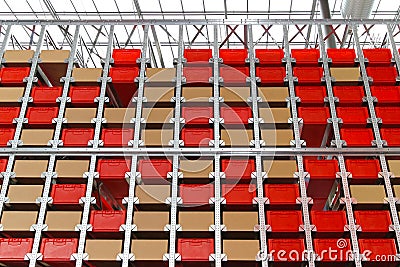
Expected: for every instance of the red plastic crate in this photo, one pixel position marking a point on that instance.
(46, 95)
(382, 75)
(58, 249)
(378, 248)
(386, 95)
(109, 168)
(234, 75)
(349, 95)
(239, 194)
(357, 137)
(353, 116)
(363, 168)
(196, 194)
(197, 74)
(373, 220)
(3, 165)
(83, 95)
(124, 74)
(197, 137)
(390, 115)
(284, 221)
(8, 114)
(116, 137)
(41, 115)
(14, 249)
(77, 136)
(233, 56)
(315, 123)
(378, 56)
(308, 75)
(278, 194)
(287, 247)
(270, 57)
(329, 221)
(333, 250)
(197, 55)
(155, 167)
(13, 76)
(311, 95)
(238, 168)
(65, 194)
(236, 115)
(196, 249)
(321, 168)
(126, 57)
(107, 220)
(306, 57)
(391, 136)
(271, 75)
(342, 57)
(197, 115)
(6, 134)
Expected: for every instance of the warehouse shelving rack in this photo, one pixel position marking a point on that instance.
(135, 151)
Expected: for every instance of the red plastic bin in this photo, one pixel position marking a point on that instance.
(315, 120)
(329, 221)
(46, 95)
(109, 168)
(3, 165)
(197, 55)
(239, 194)
(10, 76)
(270, 57)
(125, 57)
(386, 95)
(196, 194)
(124, 74)
(308, 75)
(234, 75)
(281, 194)
(155, 167)
(107, 220)
(58, 250)
(116, 137)
(77, 136)
(306, 57)
(311, 95)
(41, 115)
(363, 168)
(390, 116)
(15, 249)
(333, 250)
(353, 116)
(66, 194)
(6, 134)
(322, 177)
(197, 137)
(391, 136)
(238, 168)
(233, 56)
(373, 221)
(84, 95)
(236, 115)
(284, 221)
(357, 137)
(377, 249)
(382, 75)
(349, 95)
(196, 249)
(342, 57)
(197, 74)
(197, 115)
(378, 56)
(271, 75)
(281, 249)
(8, 114)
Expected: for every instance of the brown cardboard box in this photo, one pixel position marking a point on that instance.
(278, 137)
(145, 250)
(86, 75)
(196, 220)
(351, 75)
(24, 194)
(275, 115)
(18, 56)
(241, 250)
(280, 168)
(240, 221)
(54, 56)
(54, 64)
(119, 115)
(30, 168)
(237, 137)
(161, 74)
(273, 94)
(394, 167)
(235, 94)
(159, 94)
(157, 115)
(152, 194)
(80, 115)
(71, 168)
(62, 220)
(11, 94)
(157, 137)
(368, 194)
(197, 94)
(36, 137)
(103, 249)
(150, 220)
(396, 191)
(18, 220)
(196, 168)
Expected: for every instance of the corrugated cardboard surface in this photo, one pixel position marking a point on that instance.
(62, 220)
(103, 250)
(30, 168)
(151, 220)
(394, 166)
(345, 74)
(235, 94)
(158, 94)
(237, 137)
(161, 74)
(196, 221)
(279, 137)
(54, 56)
(275, 115)
(157, 115)
(149, 249)
(119, 115)
(245, 250)
(11, 94)
(196, 168)
(86, 74)
(197, 94)
(240, 221)
(152, 194)
(273, 94)
(18, 56)
(18, 220)
(19, 194)
(280, 168)
(368, 194)
(157, 137)
(71, 168)
(36, 137)
(80, 115)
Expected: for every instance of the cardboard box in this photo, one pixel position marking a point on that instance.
(71, 168)
(86, 75)
(24, 194)
(197, 94)
(18, 56)
(157, 115)
(273, 94)
(240, 221)
(119, 115)
(241, 250)
(36, 137)
(159, 94)
(157, 137)
(18, 220)
(80, 115)
(54, 56)
(161, 74)
(237, 137)
(196, 221)
(346, 75)
(152, 194)
(275, 115)
(54, 64)
(280, 168)
(278, 137)
(150, 220)
(368, 194)
(234, 94)
(29, 168)
(394, 167)
(149, 250)
(62, 220)
(196, 168)
(103, 249)
(11, 94)
(396, 190)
